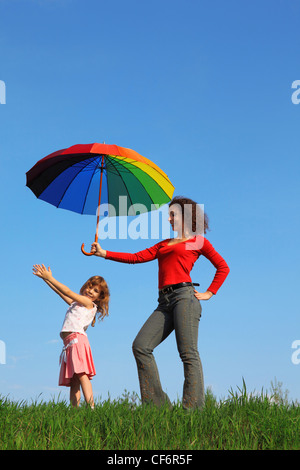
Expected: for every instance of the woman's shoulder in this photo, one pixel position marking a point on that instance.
(198, 242)
(165, 241)
(161, 243)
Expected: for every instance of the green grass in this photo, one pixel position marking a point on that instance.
(242, 421)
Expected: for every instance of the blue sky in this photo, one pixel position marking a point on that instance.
(204, 90)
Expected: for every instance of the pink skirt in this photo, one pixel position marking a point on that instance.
(76, 358)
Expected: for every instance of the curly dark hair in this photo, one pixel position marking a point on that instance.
(195, 219)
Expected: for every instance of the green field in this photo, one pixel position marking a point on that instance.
(242, 421)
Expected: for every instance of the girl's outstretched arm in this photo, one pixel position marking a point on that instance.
(62, 290)
(64, 297)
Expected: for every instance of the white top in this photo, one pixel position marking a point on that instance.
(78, 318)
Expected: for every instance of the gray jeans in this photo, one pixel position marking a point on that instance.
(179, 311)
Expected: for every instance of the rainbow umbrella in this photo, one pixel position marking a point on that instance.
(85, 177)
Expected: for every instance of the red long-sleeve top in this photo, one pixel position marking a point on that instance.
(176, 261)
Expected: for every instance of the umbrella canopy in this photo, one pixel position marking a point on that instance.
(85, 177)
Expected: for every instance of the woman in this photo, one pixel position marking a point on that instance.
(179, 308)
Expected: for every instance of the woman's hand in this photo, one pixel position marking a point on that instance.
(203, 295)
(42, 272)
(97, 250)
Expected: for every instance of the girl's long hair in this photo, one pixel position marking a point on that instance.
(103, 301)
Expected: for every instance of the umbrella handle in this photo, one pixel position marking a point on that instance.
(84, 252)
(98, 211)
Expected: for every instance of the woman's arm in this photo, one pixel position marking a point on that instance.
(143, 256)
(222, 269)
(62, 290)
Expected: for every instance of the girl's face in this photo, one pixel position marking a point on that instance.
(92, 292)
(175, 218)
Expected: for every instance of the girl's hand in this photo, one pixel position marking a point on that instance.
(203, 295)
(97, 250)
(42, 272)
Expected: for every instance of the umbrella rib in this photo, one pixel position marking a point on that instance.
(72, 181)
(89, 185)
(138, 168)
(128, 169)
(112, 163)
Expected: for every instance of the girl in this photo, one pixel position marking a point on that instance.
(77, 365)
(179, 308)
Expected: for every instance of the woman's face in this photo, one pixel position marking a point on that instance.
(175, 218)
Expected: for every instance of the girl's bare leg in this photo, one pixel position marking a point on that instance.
(87, 389)
(75, 391)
